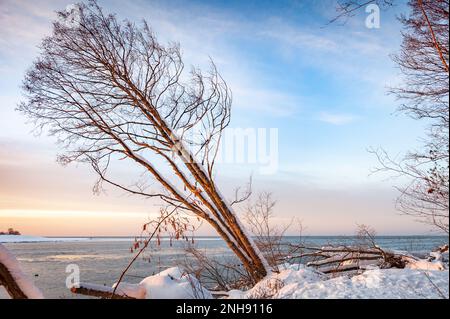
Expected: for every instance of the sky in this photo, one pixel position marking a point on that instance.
(322, 86)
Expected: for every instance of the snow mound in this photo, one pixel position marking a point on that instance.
(425, 265)
(299, 282)
(434, 261)
(26, 285)
(137, 291)
(290, 278)
(171, 283)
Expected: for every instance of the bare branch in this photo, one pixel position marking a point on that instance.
(110, 92)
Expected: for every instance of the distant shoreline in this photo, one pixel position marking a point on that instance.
(32, 239)
(288, 236)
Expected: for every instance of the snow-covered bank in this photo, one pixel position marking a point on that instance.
(12, 269)
(171, 283)
(420, 279)
(300, 282)
(35, 239)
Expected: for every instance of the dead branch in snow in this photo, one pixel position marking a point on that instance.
(442, 249)
(440, 293)
(98, 291)
(105, 292)
(344, 258)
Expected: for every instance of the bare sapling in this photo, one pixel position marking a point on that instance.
(258, 216)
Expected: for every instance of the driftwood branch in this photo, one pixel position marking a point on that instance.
(336, 259)
(105, 292)
(98, 291)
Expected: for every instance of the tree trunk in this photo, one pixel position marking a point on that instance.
(11, 286)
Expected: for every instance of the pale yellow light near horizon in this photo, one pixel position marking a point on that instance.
(73, 223)
(69, 213)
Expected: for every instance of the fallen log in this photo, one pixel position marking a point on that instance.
(98, 291)
(219, 294)
(105, 292)
(336, 259)
(332, 260)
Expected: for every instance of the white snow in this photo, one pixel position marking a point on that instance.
(171, 283)
(423, 264)
(137, 291)
(25, 284)
(299, 282)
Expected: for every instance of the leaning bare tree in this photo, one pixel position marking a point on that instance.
(109, 91)
(424, 60)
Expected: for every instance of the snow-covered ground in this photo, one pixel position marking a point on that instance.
(421, 279)
(8, 260)
(302, 282)
(299, 282)
(171, 283)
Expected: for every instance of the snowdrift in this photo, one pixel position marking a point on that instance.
(300, 282)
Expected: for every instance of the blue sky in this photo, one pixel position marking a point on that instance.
(323, 86)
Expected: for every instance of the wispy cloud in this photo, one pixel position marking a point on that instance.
(208, 36)
(299, 38)
(23, 24)
(266, 101)
(336, 118)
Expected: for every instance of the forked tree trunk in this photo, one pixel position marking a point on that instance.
(226, 223)
(240, 241)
